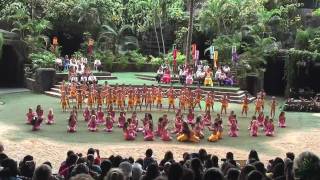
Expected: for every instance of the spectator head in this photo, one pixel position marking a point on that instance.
(115, 174)
(254, 175)
(260, 167)
(126, 168)
(245, 171)
(81, 160)
(48, 163)
(116, 161)
(203, 154)
(71, 160)
(168, 156)
(149, 153)
(136, 171)
(307, 166)
(90, 159)
(215, 160)
(3, 157)
(27, 166)
(175, 172)
(213, 173)
(229, 156)
(232, 174)
(81, 169)
(196, 165)
(290, 155)
(1, 147)
(140, 161)
(105, 166)
(82, 177)
(186, 156)
(43, 172)
(91, 151)
(187, 174)
(10, 168)
(253, 155)
(69, 153)
(131, 160)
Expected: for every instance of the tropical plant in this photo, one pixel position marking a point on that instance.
(180, 58)
(119, 39)
(253, 59)
(42, 59)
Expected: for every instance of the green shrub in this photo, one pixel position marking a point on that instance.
(302, 38)
(316, 12)
(106, 58)
(45, 59)
(180, 58)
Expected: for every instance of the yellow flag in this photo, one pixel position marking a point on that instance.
(215, 58)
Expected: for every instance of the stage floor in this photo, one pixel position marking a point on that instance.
(52, 142)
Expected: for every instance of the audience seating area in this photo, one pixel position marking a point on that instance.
(201, 165)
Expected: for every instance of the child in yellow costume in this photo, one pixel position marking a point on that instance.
(208, 80)
(216, 131)
(187, 135)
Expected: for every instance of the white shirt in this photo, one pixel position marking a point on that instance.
(97, 62)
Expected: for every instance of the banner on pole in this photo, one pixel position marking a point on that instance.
(215, 58)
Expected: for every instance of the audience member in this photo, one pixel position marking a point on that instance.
(43, 172)
(148, 159)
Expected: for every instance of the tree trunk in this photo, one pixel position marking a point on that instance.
(190, 28)
(155, 30)
(161, 34)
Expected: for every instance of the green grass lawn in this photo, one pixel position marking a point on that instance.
(15, 106)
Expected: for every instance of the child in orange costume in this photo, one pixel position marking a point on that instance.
(245, 105)
(273, 107)
(148, 99)
(130, 101)
(209, 101)
(258, 104)
(79, 100)
(138, 100)
(171, 98)
(63, 101)
(159, 99)
(90, 99)
(224, 104)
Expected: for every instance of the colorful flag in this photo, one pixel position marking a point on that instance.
(215, 58)
(211, 52)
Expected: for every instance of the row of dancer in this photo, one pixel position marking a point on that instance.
(132, 98)
(181, 126)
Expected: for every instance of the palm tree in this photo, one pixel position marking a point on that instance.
(119, 39)
(190, 29)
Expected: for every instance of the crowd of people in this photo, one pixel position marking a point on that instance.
(202, 74)
(79, 70)
(199, 165)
